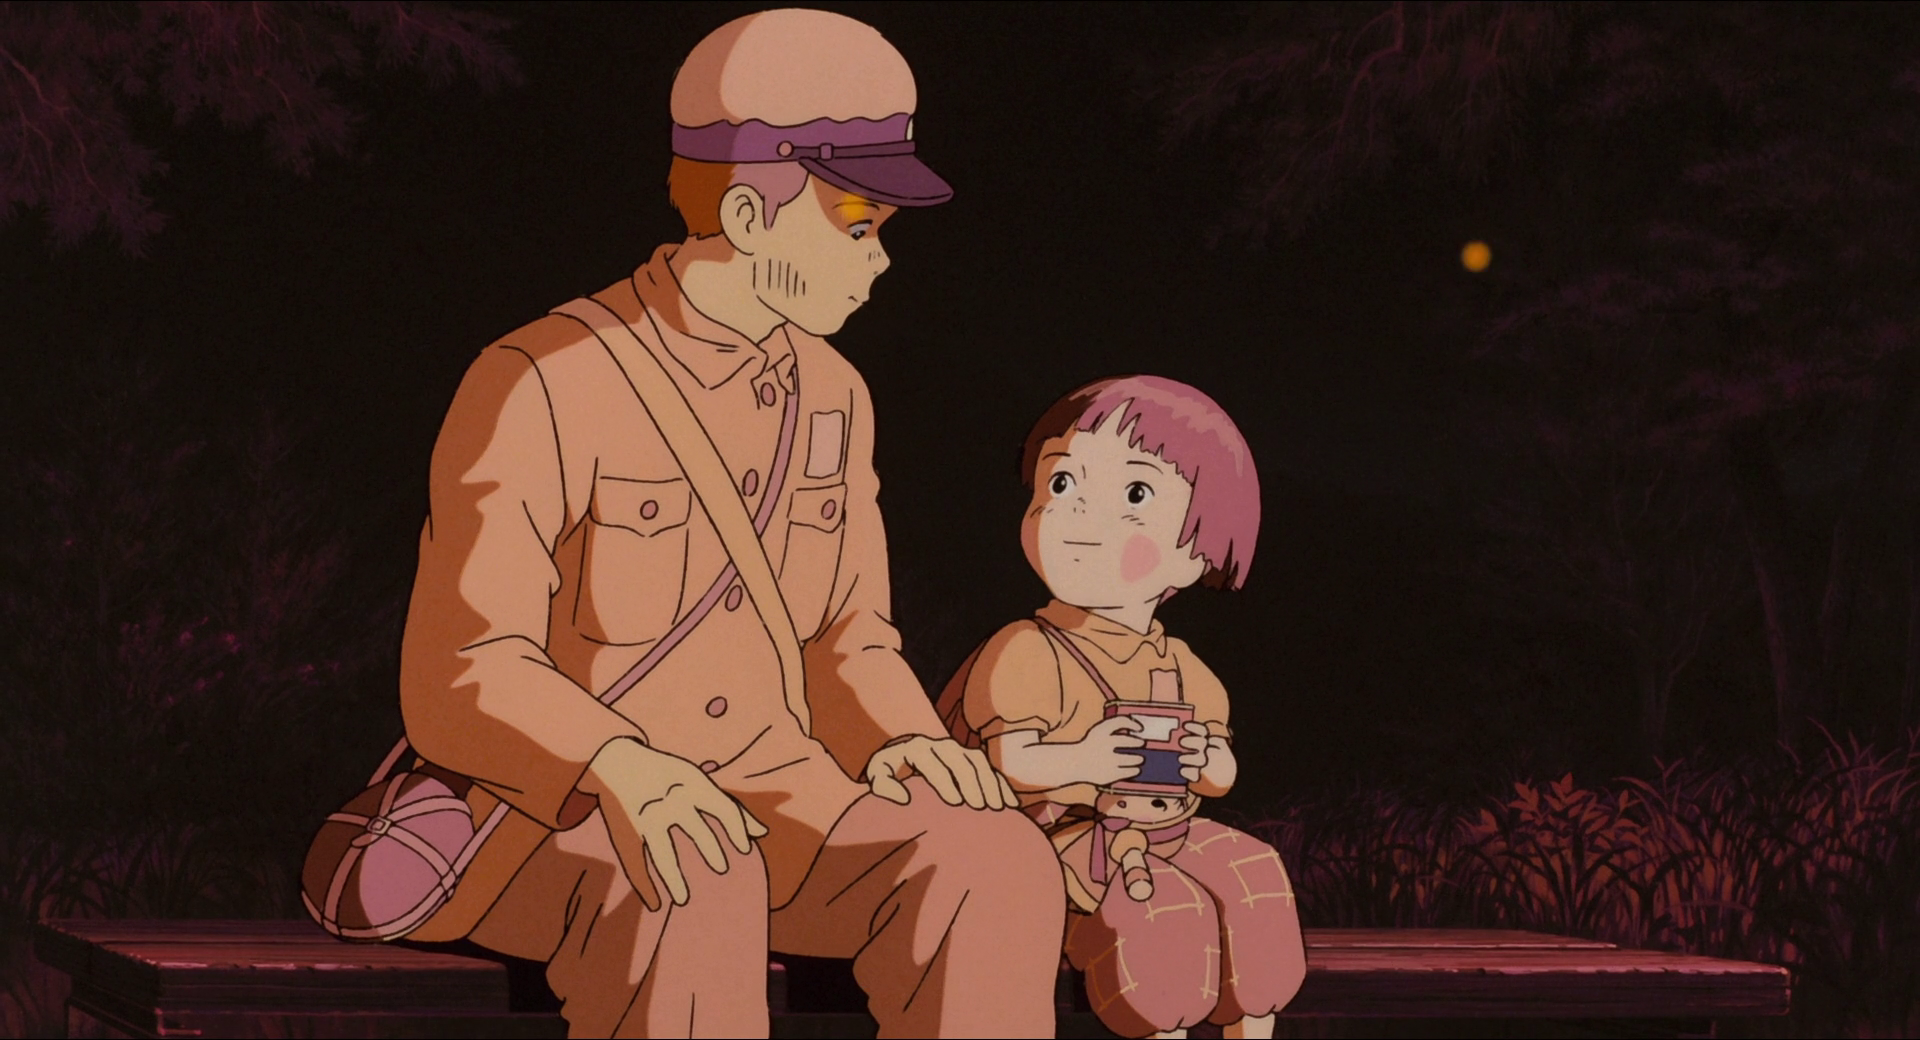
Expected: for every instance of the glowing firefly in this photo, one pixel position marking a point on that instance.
(1476, 256)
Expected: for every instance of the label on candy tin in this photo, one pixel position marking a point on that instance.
(1162, 725)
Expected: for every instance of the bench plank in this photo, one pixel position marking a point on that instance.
(190, 930)
(122, 1018)
(227, 977)
(227, 969)
(1443, 938)
(1453, 981)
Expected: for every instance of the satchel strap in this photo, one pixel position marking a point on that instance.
(712, 484)
(783, 453)
(596, 315)
(689, 443)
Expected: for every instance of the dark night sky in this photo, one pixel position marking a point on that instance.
(1074, 249)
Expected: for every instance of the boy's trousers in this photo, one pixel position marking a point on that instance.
(953, 918)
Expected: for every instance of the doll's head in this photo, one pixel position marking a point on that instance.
(1141, 487)
(1143, 809)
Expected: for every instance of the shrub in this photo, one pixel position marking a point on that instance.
(197, 668)
(1814, 865)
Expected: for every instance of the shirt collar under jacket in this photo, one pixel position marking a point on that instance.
(713, 353)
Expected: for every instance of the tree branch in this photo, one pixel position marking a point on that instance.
(66, 144)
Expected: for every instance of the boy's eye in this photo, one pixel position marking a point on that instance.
(1138, 493)
(860, 228)
(1060, 484)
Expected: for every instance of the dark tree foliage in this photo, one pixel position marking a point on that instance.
(74, 75)
(1718, 244)
(1313, 97)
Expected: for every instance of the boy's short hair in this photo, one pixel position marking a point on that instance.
(1187, 429)
(696, 188)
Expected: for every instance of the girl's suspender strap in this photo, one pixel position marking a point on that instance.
(1053, 632)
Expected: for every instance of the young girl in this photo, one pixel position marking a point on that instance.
(1141, 487)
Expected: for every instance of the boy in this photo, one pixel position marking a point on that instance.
(1141, 487)
(657, 847)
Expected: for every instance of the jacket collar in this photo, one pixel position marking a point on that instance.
(710, 351)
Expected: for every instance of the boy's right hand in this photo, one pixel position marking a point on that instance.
(644, 796)
(1103, 751)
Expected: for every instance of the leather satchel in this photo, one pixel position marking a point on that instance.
(381, 867)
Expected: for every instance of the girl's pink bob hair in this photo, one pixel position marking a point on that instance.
(1185, 428)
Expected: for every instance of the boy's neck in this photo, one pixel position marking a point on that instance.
(717, 281)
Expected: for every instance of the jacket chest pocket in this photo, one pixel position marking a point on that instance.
(635, 559)
(816, 528)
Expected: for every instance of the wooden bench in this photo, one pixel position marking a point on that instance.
(288, 978)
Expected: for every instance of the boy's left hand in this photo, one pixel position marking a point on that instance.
(1208, 758)
(960, 775)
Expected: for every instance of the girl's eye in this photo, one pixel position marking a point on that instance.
(1060, 484)
(859, 230)
(1138, 493)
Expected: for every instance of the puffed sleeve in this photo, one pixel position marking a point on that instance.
(1201, 688)
(478, 692)
(1015, 684)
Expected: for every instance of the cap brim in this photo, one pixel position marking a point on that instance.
(897, 180)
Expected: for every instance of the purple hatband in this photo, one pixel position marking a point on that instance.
(873, 158)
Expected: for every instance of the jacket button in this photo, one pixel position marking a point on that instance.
(750, 483)
(733, 598)
(709, 766)
(827, 509)
(717, 707)
(649, 509)
(766, 394)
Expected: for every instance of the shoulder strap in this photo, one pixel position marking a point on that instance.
(1053, 632)
(776, 480)
(712, 484)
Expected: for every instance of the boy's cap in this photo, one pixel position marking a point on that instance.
(811, 87)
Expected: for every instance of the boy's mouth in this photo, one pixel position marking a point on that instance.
(1066, 541)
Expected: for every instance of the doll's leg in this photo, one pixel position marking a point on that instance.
(1128, 856)
(1152, 966)
(1260, 1027)
(1263, 957)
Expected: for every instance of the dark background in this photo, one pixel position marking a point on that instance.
(1078, 246)
(1664, 447)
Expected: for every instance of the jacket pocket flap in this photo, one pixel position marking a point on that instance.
(819, 507)
(645, 507)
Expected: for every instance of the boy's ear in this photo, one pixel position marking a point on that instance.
(742, 218)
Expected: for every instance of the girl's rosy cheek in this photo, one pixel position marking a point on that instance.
(1139, 558)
